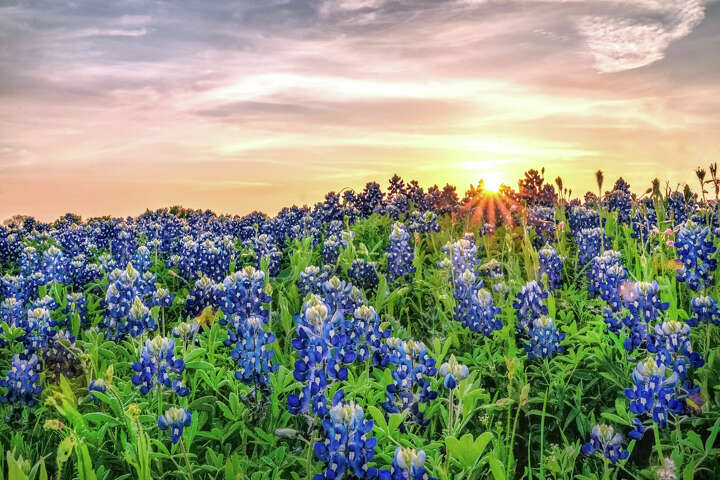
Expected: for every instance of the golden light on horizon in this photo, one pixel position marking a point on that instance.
(492, 182)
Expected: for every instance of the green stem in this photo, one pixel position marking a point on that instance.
(187, 458)
(542, 435)
(658, 445)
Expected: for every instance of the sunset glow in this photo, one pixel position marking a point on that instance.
(120, 106)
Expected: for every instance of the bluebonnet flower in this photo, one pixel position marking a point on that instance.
(39, 328)
(331, 249)
(550, 264)
(368, 337)
(544, 339)
(22, 382)
(30, 261)
(482, 315)
(243, 300)
(620, 201)
(452, 372)
(411, 379)
(162, 297)
(423, 222)
(590, 243)
(202, 295)
(341, 296)
(55, 265)
(157, 365)
(644, 306)
(603, 439)
(322, 354)
(705, 310)
(124, 245)
(175, 419)
(126, 312)
(638, 430)
(20, 287)
(408, 464)
(671, 344)
(695, 249)
(400, 253)
(142, 260)
(542, 219)
(80, 272)
(347, 446)
(97, 385)
(608, 278)
(265, 248)
(186, 331)
(581, 218)
(677, 208)
(311, 280)
(653, 391)
(529, 306)
(644, 221)
(363, 274)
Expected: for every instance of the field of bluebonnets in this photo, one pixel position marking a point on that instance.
(397, 334)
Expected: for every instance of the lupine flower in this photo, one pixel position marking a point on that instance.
(311, 280)
(641, 299)
(550, 264)
(677, 208)
(126, 310)
(331, 248)
(620, 201)
(142, 260)
(653, 392)
(529, 306)
(201, 296)
(347, 446)
(423, 222)
(22, 382)
(705, 310)
(162, 297)
(97, 385)
(408, 464)
(55, 265)
(341, 296)
(671, 344)
(580, 218)
(156, 366)
(265, 249)
(186, 331)
(363, 274)
(590, 243)
(544, 339)
(400, 253)
(695, 249)
(322, 354)
(175, 419)
(76, 303)
(482, 315)
(542, 219)
(452, 372)
(638, 430)
(603, 439)
(411, 382)
(368, 336)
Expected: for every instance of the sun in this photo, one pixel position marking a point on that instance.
(492, 182)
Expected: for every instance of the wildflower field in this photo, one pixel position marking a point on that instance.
(390, 333)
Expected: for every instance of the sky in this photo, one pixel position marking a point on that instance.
(114, 107)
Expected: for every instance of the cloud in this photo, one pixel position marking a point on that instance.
(621, 43)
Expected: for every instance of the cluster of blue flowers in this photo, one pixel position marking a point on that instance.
(695, 250)
(22, 382)
(550, 264)
(243, 301)
(413, 368)
(126, 296)
(159, 368)
(364, 274)
(544, 339)
(400, 253)
(605, 441)
(175, 419)
(529, 306)
(347, 446)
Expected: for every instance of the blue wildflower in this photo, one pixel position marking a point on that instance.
(705, 310)
(175, 419)
(363, 274)
(159, 367)
(544, 339)
(550, 264)
(695, 250)
(603, 439)
(452, 372)
(347, 446)
(22, 382)
(529, 306)
(408, 464)
(400, 253)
